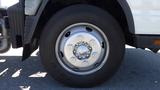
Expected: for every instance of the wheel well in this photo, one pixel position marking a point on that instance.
(112, 6)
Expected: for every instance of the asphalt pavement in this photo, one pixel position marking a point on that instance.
(140, 70)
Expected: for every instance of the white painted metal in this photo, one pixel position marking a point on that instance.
(146, 16)
(7, 3)
(31, 6)
(146, 13)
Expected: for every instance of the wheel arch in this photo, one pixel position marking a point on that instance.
(119, 9)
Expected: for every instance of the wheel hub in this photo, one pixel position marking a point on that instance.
(82, 50)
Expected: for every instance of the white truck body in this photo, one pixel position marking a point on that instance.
(146, 15)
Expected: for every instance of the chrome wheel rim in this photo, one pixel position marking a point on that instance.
(82, 48)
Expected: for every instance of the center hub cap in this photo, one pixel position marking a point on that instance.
(82, 50)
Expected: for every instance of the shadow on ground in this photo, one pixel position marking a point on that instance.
(140, 70)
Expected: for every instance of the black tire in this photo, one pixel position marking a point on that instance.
(76, 14)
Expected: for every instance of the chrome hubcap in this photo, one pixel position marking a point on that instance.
(82, 49)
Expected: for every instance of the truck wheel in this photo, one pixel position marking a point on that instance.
(82, 46)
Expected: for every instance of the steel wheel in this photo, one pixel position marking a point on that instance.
(82, 48)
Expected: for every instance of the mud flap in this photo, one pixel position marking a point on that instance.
(28, 49)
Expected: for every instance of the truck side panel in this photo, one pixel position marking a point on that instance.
(146, 15)
(123, 3)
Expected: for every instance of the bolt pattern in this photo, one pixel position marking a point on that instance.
(82, 50)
